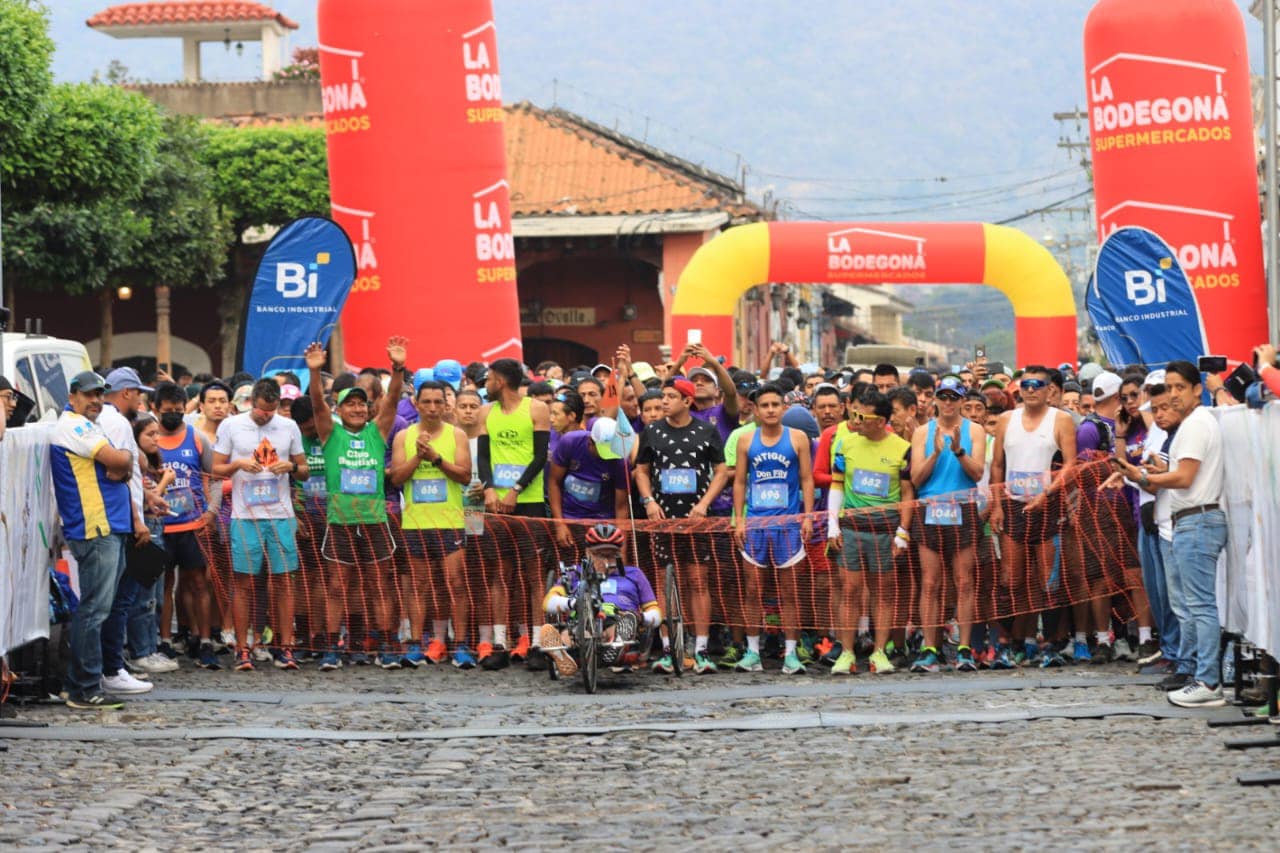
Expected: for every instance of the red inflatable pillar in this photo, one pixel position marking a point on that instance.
(417, 176)
(1174, 151)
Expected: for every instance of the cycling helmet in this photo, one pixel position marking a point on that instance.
(605, 535)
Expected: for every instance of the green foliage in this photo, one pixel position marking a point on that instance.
(90, 141)
(189, 236)
(72, 246)
(25, 54)
(268, 175)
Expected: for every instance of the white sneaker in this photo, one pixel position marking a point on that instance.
(261, 653)
(1197, 694)
(123, 682)
(228, 638)
(1122, 649)
(153, 663)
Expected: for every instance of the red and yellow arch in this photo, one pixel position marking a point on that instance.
(873, 253)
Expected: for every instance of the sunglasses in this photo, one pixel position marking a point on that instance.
(858, 417)
(948, 396)
(1034, 384)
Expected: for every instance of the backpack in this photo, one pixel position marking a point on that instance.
(1106, 435)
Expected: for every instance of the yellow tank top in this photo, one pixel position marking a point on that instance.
(432, 501)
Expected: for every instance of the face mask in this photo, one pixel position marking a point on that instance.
(170, 421)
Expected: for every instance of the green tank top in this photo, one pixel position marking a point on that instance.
(315, 485)
(511, 451)
(432, 501)
(353, 474)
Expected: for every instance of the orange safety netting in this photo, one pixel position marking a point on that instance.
(387, 580)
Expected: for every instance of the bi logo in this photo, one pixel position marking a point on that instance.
(1141, 287)
(294, 281)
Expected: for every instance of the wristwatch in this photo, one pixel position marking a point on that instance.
(517, 488)
(646, 501)
(1144, 480)
(959, 452)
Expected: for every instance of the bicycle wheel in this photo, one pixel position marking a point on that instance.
(587, 636)
(674, 621)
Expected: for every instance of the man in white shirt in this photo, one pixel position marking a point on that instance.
(1194, 484)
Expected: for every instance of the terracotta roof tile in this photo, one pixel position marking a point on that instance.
(185, 12)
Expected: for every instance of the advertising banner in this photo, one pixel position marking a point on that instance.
(1173, 149)
(1141, 303)
(298, 291)
(417, 176)
(28, 530)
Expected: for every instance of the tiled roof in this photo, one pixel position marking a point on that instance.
(187, 12)
(560, 163)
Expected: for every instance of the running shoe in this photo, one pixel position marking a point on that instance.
(284, 659)
(552, 645)
(791, 665)
(1030, 655)
(847, 663)
(1003, 659)
(244, 661)
(1148, 652)
(463, 658)
(927, 661)
(388, 659)
(493, 657)
(731, 656)
(359, 659)
(824, 647)
(748, 662)
(94, 702)
(965, 661)
(1049, 657)
(437, 651)
(831, 655)
(1080, 652)
(208, 658)
(1123, 651)
(166, 648)
(330, 662)
(1104, 653)
(536, 660)
(702, 664)
(262, 652)
(123, 682)
(880, 663)
(803, 654)
(413, 656)
(1068, 651)
(864, 645)
(521, 651)
(663, 665)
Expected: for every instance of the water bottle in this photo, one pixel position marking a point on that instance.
(473, 507)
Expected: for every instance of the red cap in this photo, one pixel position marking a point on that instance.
(684, 386)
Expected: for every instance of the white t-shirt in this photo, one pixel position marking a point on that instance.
(1199, 437)
(120, 433)
(264, 495)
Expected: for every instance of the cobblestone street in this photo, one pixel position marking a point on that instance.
(365, 759)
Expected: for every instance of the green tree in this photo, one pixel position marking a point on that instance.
(264, 177)
(25, 54)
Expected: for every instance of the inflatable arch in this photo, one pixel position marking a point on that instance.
(873, 253)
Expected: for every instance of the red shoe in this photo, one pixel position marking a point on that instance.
(244, 661)
(437, 651)
(521, 651)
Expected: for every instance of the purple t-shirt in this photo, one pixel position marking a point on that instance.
(407, 410)
(1088, 437)
(590, 482)
(717, 418)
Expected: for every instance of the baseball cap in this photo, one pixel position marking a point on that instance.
(5, 385)
(240, 400)
(1155, 377)
(993, 383)
(643, 370)
(684, 386)
(1089, 372)
(1106, 384)
(124, 379)
(88, 381)
(951, 384)
(448, 370)
(422, 374)
(604, 434)
(290, 392)
(798, 417)
(347, 392)
(599, 367)
(707, 372)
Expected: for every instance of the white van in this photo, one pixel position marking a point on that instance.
(42, 367)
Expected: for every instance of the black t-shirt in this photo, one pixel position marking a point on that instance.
(682, 461)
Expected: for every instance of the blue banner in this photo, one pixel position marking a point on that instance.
(299, 289)
(1141, 304)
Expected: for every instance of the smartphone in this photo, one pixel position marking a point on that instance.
(980, 351)
(695, 337)
(162, 367)
(1212, 363)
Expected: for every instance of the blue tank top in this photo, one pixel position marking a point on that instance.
(773, 477)
(185, 494)
(948, 475)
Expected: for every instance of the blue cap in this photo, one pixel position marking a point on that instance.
(422, 374)
(952, 384)
(124, 378)
(798, 417)
(449, 370)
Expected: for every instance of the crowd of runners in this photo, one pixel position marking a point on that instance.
(839, 520)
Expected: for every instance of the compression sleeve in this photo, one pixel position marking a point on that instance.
(541, 441)
(483, 466)
(835, 499)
